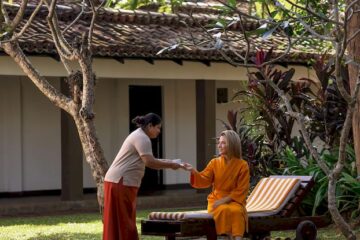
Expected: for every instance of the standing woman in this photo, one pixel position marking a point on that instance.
(230, 180)
(123, 178)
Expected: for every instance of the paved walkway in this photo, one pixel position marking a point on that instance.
(54, 205)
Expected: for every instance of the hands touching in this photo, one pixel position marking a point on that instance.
(188, 167)
(178, 163)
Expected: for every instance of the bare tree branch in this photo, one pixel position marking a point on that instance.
(2, 18)
(61, 44)
(19, 16)
(76, 19)
(235, 51)
(335, 173)
(346, 129)
(301, 121)
(247, 51)
(281, 55)
(27, 37)
(354, 35)
(26, 26)
(52, 9)
(309, 10)
(238, 11)
(66, 65)
(4, 13)
(339, 78)
(309, 28)
(350, 5)
(337, 17)
(234, 63)
(313, 32)
(91, 28)
(54, 95)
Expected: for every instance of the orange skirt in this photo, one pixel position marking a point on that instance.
(119, 212)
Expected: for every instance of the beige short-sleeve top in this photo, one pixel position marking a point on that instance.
(128, 163)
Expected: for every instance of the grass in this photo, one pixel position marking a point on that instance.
(88, 226)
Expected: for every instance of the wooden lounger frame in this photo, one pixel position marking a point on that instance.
(259, 227)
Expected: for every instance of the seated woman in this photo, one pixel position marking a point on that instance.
(230, 180)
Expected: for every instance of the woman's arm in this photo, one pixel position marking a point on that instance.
(203, 179)
(154, 163)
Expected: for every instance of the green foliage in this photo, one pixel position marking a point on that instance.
(322, 104)
(325, 110)
(347, 189)
(155, 5)
(292, 19)
(254, 149)
(326, 107)
(278, 126)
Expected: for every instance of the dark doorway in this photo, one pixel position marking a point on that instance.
(142, 100)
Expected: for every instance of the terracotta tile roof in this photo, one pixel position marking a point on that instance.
(142, 34)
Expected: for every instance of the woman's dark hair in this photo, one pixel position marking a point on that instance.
(143, 121)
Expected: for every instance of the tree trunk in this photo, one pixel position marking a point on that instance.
(354, 52)
(94, 154)
(334, 177)
(335, 214)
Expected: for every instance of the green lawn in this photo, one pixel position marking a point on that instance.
(88, 226)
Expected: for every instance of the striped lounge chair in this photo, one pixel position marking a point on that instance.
(270, 207)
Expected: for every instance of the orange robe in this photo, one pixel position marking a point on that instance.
(227, 179)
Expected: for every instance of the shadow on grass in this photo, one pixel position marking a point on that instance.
(66, 236)
(51, 220)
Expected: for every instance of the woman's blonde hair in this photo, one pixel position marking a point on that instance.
(233, 143)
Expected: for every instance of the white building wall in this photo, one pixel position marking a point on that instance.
(30, 150)
(41, 141)
(180, 128)
(179, 121)
(30, 143)
(222, 108)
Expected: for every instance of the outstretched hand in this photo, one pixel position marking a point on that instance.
(178, 163)
(175, 166)
(188, 167)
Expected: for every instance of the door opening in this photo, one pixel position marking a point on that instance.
(142, 100)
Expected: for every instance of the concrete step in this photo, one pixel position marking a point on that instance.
(41, 205)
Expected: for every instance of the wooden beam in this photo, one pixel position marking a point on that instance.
(149, 60)
(120, 59)
(205, 122)
(71, 157)
(178, 61)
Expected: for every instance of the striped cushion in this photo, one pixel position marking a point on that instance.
(179, 215)
(270, 195)
(268, 198)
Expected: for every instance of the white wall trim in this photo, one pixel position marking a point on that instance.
(138, 69)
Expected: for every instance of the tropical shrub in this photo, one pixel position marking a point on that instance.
(347, 189)
(273, 149)
(254, 148)
(321, 103)
(274, 126)
(326, 108)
